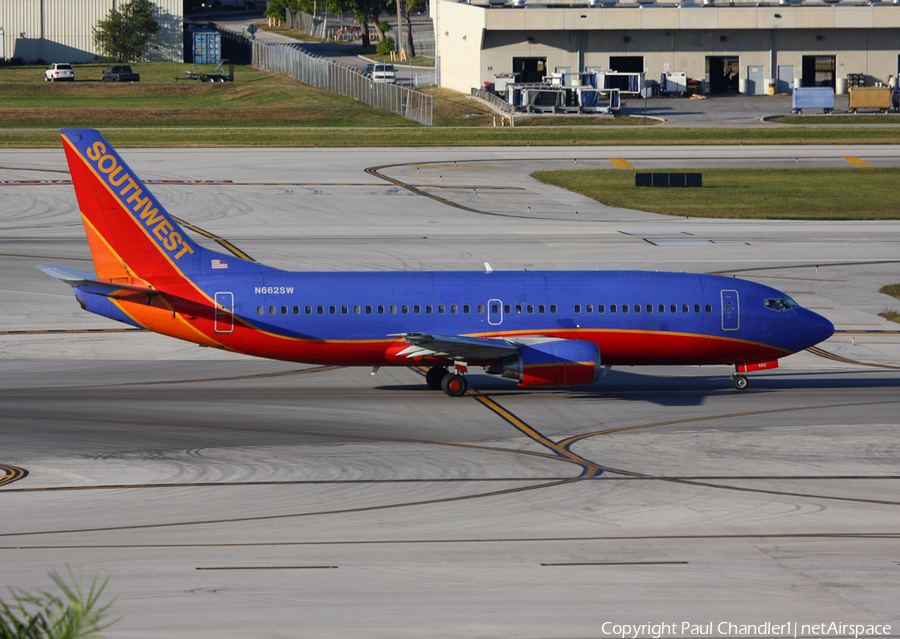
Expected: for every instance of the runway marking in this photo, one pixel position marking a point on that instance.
(576, 438)
(863, 331)
(220, 241)
(70, 331)
(618, 563)
(265, 567)
(464, 168)
(296, 433)
(11, 474)
(784, 277)
(302, 371)
(621, 163)
(590, 468)
(342, 511)
(498, 540)
(804, 266)
(444, 480)
(856, 161)
(815, 350)
(200, 182)
(48, 257)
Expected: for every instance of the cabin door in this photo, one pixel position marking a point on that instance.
(731, 311)
(224, 321)
(495, 312)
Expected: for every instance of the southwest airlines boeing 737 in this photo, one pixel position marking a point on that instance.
(539, 328)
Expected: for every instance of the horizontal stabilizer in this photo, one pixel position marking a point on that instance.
(86, 282)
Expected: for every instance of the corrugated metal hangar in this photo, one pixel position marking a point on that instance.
(732, 46)
(62, 30)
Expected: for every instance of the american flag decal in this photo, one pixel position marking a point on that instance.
(220, 263)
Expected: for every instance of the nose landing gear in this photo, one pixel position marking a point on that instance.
(739, 381)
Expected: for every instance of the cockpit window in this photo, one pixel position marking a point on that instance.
(781, 304)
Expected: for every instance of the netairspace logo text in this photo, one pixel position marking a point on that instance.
(728, 629)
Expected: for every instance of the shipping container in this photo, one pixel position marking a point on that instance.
(202, 46)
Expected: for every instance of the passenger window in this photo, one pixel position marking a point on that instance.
(368, 310)
(661, 308)
(453, 309)
(381, 310)
(404, 309)
(685, 308)
(649, 308)
(466, 309)
(709, 308)
(495, 308)
(332, 310)
(440, 309)
(507, 309)
(518, 308)
(624, 308)
(530, 308)
(259, 310)
(542, 309)
(637, 308)
(578, 308)
(284, 310)
(589, 308)
(481, 309)
(613, 308)
(393, 309)
(356, 310)
(296, 310)
(673, 308)
(601, 308)
(271, 310)
(696, 308)
(553, 308)
(417, 309)
(308, 310)
(428, 309)
(345, 310)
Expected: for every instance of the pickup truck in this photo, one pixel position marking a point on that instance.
(118, 73)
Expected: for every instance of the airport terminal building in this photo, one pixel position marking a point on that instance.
(731, 46)
(62, 30)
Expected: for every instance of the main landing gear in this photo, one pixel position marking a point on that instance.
(439, 378)
(739, 381)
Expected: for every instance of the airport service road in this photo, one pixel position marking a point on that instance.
(232, 497)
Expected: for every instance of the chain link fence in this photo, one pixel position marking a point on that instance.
(326, 74)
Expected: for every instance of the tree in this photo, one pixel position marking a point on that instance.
(278, 8)
(365, 11)
(407, 7)
(124, 34)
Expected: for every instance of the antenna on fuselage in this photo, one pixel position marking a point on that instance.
(487, 268)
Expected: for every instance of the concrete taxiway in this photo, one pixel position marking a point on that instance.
(230, 497)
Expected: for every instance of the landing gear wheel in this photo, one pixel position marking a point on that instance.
(454, 385)
(435, 376)
(740, 382)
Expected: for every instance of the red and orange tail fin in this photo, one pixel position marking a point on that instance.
(131, 235)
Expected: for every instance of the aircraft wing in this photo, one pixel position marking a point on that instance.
(463, 348)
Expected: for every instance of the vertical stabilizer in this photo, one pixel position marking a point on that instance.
(130, 233)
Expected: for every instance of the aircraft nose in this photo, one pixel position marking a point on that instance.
(819, 329)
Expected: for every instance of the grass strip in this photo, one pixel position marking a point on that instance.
(857, 118)
(788, 194)
(408, 135)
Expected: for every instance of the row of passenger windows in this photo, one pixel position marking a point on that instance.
(369, 310)
(646, 308)
(453, 309)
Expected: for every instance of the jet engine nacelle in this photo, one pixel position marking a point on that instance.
(560, 363)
